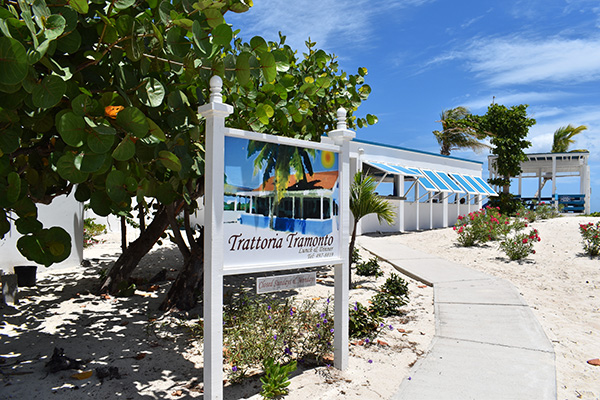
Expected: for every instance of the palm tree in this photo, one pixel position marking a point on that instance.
(453, 136)
(563, 137)
(364, 201)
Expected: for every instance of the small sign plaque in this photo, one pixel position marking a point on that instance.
(285, 282)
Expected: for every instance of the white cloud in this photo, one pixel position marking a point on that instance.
(330, 23)
(515, 60)
(508, 99)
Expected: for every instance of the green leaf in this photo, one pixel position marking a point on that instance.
(49, 92)
(214, 17)
(82, 193)
(165, 193)
(100, 203)
(268, 66)
(47, 246)
(259, 45)
(281, 61)
(71, 128)
(264, 112)
(13, 61)
(101, 139)
(184, 23)
(84, 105)
(371, 119)
(152, 93)
(169, 160)
(124, 150)
(242, 68)
(13, 190)
(28, 225)
(4, 224)
(67, 169)
(155, 131)
(222, 35)
(91, 162)
(81, 6)
(9, 141)
(133, 121)
(123, 4)
(177, 42)
(70, 43)
(293, 110)
(115, 186)
(54, 26)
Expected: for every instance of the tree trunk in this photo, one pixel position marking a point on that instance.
(351, 250)
(129, 259)
(184, 291)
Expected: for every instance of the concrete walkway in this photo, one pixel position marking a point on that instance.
(488, 344)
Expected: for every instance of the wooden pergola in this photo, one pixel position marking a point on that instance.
(551, 166)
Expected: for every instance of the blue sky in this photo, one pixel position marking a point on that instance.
(424, 56)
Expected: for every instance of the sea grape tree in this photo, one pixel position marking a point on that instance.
(99, 98)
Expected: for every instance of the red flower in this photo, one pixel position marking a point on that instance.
(524, 240)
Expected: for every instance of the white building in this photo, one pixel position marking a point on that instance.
(427, 190)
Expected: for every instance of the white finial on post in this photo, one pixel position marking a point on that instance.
(341, 118)
(216, 85)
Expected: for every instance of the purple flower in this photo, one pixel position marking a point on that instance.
(318, 325)
(323, 315)
(234, 368)
(370, 361)
(288, 351)
(367, 340)
(355, 306)
(381, 325)
(391, 328)
(331, 330)
(328, 300)
(269, 308)
(324, 321)
(275, 337)
(291, 312)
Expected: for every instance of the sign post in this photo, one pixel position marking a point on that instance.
(289, 219)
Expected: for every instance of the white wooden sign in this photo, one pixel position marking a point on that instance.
(280, 283)
(300, 222)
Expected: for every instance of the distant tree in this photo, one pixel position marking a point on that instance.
(364, 201)
(563, 137)
(508, 129)
(453, 136)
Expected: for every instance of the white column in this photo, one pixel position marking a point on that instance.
(418, 225)
(214, 112)
(430, 197)
(554, 199)
(445, 211)
(584, 172)
(401, 205)
(342, 137)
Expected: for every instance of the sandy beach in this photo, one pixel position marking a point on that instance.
(158, 358)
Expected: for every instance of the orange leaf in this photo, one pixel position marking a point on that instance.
(112, 111)
(140, 356)
(177, 393)
(83, 375)
(595, 361)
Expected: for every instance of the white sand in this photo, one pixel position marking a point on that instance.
(155, 353)
(558, 282)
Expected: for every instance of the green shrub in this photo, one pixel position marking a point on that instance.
(276, 379)
(520, 245)
(481, 226)
(364, 323)
(369, 268)
(590, 234)
(91, 229)
(395, 285)
(256, 329)
(387, 305)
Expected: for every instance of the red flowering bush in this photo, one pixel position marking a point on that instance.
(591, 238)
(520, 245)
(481, 226)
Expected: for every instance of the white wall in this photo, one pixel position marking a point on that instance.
(65, 212)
